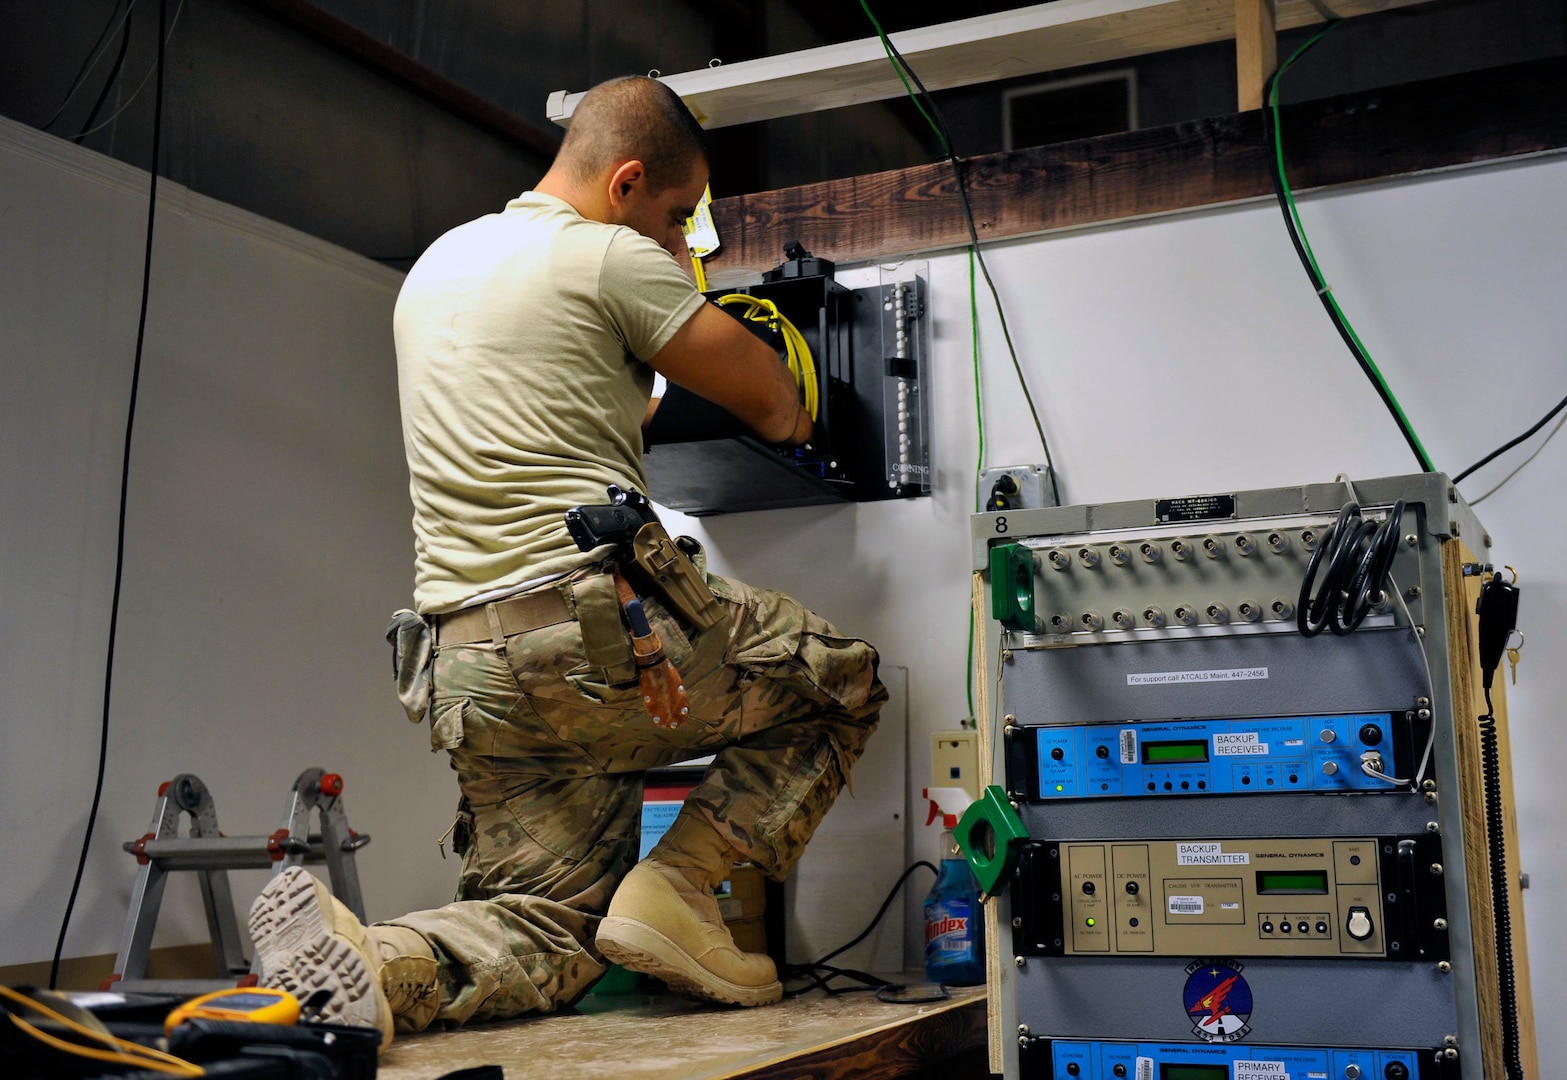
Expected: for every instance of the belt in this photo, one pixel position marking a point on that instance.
(517, 615)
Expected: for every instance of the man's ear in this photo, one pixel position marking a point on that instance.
(624, 180)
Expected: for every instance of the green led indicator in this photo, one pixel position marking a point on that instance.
(1060, 787)
(1091, 921)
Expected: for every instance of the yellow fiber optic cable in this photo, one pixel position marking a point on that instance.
(120, 1051)
(802, 365)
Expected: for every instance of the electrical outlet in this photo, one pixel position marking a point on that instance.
(955, 761)
(1018, 487)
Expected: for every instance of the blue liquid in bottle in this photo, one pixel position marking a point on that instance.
(954, 922)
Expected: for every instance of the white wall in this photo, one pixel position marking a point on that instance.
(268, 534)
(267, 542)
(1189, 355)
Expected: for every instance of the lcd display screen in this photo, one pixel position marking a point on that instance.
(1175, 753)
(1292, 882)
(1168, 1071)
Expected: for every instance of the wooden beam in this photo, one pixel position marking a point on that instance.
(1418, 127)
(1044, 37)
(1256, 50)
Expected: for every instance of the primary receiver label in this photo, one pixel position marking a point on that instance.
(1165, 678)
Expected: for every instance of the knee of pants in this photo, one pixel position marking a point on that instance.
(569, 840)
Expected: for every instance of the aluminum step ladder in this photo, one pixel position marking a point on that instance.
(205, 850)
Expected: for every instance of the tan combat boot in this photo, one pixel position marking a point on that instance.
(306, 941)
(663, 921)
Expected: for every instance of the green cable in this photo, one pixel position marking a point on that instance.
(979, 464)
(1311, 258)
(887, 46)
(973, 301)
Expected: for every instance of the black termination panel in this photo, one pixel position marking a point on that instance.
(868, 347)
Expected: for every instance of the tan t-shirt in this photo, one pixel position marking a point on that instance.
(520, 340)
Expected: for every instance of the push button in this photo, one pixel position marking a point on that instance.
(1359, 925)
(1267, 928)
(1352, 1071)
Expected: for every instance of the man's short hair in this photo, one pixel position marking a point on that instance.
(634, 119)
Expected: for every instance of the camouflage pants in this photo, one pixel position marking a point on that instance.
(550, 753)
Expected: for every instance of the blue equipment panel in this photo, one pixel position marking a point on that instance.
(1221, 1061)
(1217, 757)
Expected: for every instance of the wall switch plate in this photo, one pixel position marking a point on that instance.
(955, 761)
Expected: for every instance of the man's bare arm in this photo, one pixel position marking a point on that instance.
(713, 356)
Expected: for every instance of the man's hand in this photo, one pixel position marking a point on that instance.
(715, 357)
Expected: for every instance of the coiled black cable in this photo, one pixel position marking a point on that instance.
(1501, 915)
(1358, 554)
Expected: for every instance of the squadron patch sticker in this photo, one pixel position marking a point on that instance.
(1218, 1001)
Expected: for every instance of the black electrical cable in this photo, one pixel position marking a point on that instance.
(89, 62)
(945, 134)
(1313, 274)
(1506, 446)
(114, 74)
(1501, 911)
(1358, 555)
(125, 477)
(813, 971)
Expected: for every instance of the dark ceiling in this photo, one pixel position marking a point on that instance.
(379, 124)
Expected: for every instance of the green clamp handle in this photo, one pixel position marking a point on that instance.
(1012, 587)
(989, 832)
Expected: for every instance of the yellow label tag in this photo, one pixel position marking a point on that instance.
(701, 235)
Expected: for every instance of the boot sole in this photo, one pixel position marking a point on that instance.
(298, 953)
(638, 947)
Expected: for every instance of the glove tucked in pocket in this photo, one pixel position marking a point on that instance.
(412, 653)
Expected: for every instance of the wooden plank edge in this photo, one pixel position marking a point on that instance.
(903, 1046)
(1439, 124)
(1468, 696)
(986, 747)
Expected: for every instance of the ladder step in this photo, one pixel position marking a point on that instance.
(184, 987)
(221, 852)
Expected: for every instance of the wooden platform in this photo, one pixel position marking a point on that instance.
(664, 1037)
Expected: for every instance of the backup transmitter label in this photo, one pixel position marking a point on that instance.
(1209, 854)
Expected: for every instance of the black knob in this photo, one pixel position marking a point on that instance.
(1132, 888)
(1371, 735)
(1088, 888)
(1057, 753)
(1102, 751)
(1396, 1070)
